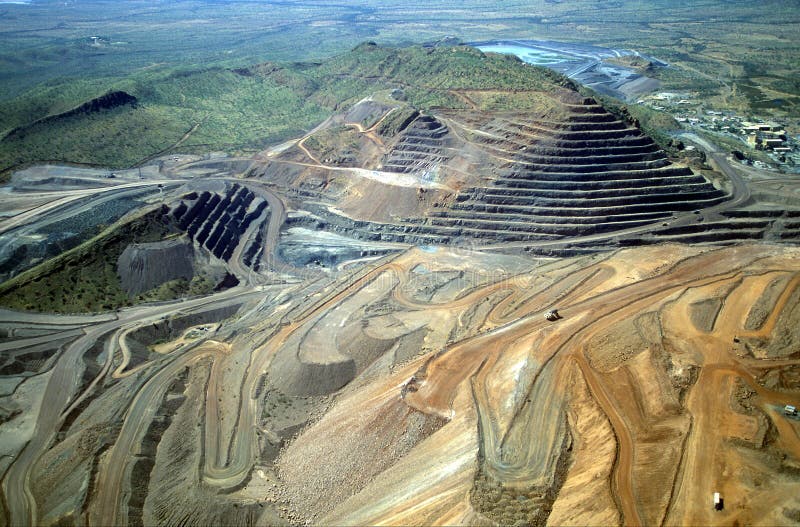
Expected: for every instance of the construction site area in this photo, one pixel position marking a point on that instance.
(448, 316)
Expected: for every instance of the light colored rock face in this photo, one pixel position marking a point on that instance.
(143, 266)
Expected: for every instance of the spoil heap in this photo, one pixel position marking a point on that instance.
(143, 266)
(217, 221)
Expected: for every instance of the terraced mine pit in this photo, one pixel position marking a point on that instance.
(217, 221)
(412, 314)
(576, 179)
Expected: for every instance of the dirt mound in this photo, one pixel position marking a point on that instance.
(294, 376)
(143, 266)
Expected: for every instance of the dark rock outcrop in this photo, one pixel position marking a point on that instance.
(217, 221)
(109, 101)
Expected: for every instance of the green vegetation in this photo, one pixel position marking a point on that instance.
(518, 101)
(337, 146)
(714, 44)
(188, 112)
(396, 121)
(85, 279)
(658, 125)
(197, 286)
(243, 110)
(115, 138)
(438, 69)
(198, 97)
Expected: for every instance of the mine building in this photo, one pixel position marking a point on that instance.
(772, 143)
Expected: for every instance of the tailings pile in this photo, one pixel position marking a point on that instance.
(143, 266)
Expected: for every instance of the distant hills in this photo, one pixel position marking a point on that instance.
(238, 110)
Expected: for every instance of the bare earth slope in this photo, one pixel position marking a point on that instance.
(534, 409)
(436, 392)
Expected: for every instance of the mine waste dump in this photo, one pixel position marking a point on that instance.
(469, 293)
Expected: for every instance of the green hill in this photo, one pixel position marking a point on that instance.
(242, 110)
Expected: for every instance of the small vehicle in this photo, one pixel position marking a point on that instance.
(552, 315)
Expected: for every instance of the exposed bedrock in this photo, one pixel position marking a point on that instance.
(586, 184)
(587, 174)
(419, 147)
(589, 158)
(597, 169)
(143, 266)
(595, 142)
(523, 196)
(576, 150)
(738, 225)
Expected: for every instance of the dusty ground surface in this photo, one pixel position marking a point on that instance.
(428, 388)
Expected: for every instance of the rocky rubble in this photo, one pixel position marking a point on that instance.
(143, 266)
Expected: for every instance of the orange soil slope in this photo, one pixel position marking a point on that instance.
(625, 411)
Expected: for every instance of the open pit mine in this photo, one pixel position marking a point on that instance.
(355, 327)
